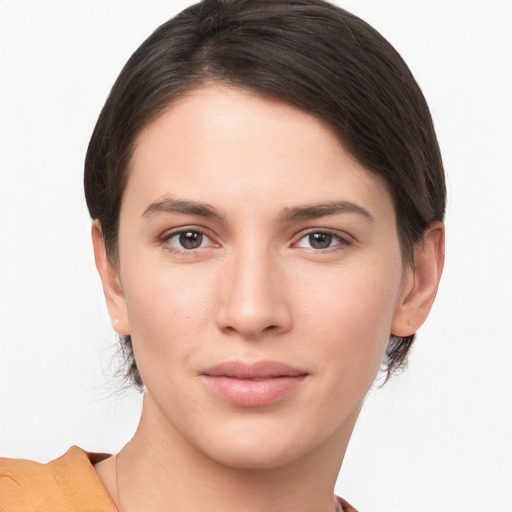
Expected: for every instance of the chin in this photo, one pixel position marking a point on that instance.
(257, 457)
(256, 447)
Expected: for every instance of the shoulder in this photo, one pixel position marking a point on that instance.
(66, 484)
(345, 506)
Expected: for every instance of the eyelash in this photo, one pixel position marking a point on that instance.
(342, 241)
(166, 241)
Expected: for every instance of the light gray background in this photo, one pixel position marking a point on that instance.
(438, 437)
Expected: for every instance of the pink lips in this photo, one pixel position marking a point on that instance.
(253, 384)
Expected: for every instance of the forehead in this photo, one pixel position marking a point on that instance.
(231, 146)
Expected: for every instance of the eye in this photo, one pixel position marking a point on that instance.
(188, 240)
(322, 240)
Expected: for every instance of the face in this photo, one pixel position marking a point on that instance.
(260, 275)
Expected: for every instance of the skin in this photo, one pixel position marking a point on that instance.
(258, 287)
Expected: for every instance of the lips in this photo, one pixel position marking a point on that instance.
(253, 384)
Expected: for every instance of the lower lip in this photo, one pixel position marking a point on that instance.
(253, 393)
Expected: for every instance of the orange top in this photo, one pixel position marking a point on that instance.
(67, 484)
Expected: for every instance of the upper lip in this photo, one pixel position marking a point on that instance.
(255, 370)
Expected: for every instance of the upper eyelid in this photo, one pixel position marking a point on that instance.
(174, 231)
(168, 234)
(333, 232)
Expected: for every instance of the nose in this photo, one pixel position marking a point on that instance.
(253, 300)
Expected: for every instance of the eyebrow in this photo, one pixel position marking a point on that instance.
(170, 205)
(187, 207)
(324, 209)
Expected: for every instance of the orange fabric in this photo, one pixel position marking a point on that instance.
(347, 507)
(66, 484)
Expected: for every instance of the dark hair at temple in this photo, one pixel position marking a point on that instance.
(308, 53)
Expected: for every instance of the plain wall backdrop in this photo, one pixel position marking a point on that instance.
(437, 437)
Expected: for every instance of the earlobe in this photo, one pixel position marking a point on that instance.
(421, 283)
(112, 288)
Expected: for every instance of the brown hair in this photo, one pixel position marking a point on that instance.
(308, 53)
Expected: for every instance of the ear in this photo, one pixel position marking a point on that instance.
(420, 282)
(111, 283)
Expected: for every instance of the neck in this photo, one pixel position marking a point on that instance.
(159, 471)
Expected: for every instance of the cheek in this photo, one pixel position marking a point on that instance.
(167, 309)
(348, 317)
(341, 315)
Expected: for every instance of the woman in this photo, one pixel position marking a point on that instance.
(267, 197)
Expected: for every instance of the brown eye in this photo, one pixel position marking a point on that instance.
(190, 239)
(324, 241)
(320, 240)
